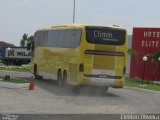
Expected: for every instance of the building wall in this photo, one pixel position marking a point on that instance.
(4, 44)
(146, 41)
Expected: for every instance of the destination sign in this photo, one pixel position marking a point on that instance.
(105, 35)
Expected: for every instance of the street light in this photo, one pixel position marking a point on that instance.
(8, 49)
(144, 65)
(74, 7)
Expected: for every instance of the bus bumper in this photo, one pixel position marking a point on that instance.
(105, 80)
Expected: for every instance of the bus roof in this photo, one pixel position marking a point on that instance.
(75, 25)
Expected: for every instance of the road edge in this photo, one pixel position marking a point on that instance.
(142, 90)
(14, 85)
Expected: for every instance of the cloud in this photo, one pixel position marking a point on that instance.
(26, 3)
(29, 3)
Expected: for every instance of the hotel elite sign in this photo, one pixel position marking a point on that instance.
(145, 41)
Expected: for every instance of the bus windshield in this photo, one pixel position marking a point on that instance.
(105, 35)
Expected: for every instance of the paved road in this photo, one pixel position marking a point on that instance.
(49, 98)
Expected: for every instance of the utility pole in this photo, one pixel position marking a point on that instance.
(74, 7)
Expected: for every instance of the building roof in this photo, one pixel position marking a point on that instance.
(2, 43)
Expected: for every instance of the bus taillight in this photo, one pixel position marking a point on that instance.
(124, 70)
(81, 67)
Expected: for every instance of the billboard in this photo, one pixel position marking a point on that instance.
(17, 53)
(145, 42)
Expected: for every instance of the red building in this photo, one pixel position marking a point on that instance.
(145, 42)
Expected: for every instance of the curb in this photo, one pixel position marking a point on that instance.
(142, 90)
(14, 85)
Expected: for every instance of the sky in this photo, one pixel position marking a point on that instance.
(26, 16)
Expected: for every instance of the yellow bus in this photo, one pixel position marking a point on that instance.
(77, 54)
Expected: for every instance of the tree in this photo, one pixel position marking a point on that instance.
(23, 40)
(30, 42)
(30, 38)
(132, 52)
(155, 57)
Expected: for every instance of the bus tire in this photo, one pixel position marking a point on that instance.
(35, 71)
(59, 77)
(64, 80)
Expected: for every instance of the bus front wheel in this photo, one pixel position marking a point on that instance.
(35, 71)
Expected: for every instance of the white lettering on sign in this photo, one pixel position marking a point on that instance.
(18, 53)
(100, 34)
(151, 34)
(23, 53)
(150, 43)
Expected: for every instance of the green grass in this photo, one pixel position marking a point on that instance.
(137, 83)
(18, 81)
(15, 68)
(15, 80)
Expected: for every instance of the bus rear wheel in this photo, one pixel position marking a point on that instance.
(64, 80)
(59, 77)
